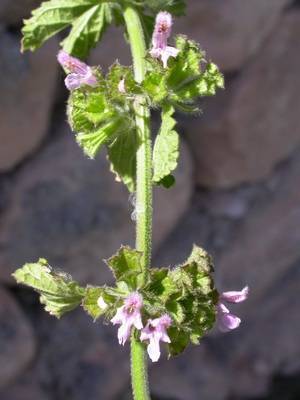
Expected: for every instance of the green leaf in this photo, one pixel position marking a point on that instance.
(92, 142)
(126, 266)
(160, 285)
(92, 295)
(122, 156)
(201, 258)
(50, 18)
(167, 181)
(188, 77)
(166, 147)
(155, 86)
(179, 340)
(176, 310)
(175, 7)
(88, 20)
(87, 30)
(117, 73)
(58, 292)
(96, 119)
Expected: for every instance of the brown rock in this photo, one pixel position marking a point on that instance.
(13, 12)
(17, 344)
(253, 125)
(230, 31)
(70, 210)
(27, 84)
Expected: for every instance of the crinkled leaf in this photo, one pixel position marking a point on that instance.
(155, 86)
(188, 77)
(95, 119)
(201, 258)
(87, 18)
(176, 311)
(90, 301)
(166, 147)
(87, 30)
(179, 340)
(188, 295)
(122, 156)
(126, 266)
(117, 73)
(58, 292)
(160, 284)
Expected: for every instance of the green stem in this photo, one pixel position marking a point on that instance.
(139, 374)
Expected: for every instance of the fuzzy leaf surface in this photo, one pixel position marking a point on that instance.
(87, 30)
(188, 77)
(58, 292)
(126, 266)
(166, 147)
(88, 20)
(196, 298)
(96, 119)
(91, 305)
(187, 294)
(122, 156)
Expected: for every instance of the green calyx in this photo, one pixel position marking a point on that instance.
(105, 115)
(188, 77)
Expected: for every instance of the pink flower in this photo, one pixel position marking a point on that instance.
(156, 331)
(129, 315)
(80, 73)
(162, 32)
(225, 320)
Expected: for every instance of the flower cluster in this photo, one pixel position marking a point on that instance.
(155, 331)
(162, 32)
(225, 319)
(79, 73)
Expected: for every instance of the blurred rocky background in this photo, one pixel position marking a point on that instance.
(237, 194)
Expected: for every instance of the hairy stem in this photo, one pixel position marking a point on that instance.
(139, 374)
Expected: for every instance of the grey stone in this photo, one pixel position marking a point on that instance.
(27, 84)
(112, 47)
(232, 31)
(13, 12)
(17, 342)
(70, 210)
(253, 125)
(80, 359)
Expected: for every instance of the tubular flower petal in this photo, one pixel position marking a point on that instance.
(128, 315)
(156, 331)
(162, 32)
(79, 72)
(227, 321)
(236, 296)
